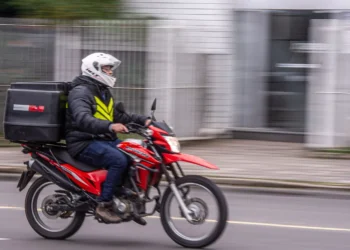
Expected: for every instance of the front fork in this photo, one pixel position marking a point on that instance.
(186, 212)
(171, 181)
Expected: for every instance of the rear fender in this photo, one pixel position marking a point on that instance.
(170, 158)
(26, 176)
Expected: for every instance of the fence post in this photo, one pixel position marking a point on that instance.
(171, 64)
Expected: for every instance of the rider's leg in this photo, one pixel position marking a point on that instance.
(121, 190)
(141, 209)
(101, 154)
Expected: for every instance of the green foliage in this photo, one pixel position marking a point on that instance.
(67, 9)
(6, 9)
(336, 150)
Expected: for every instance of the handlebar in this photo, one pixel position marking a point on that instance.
(135, 128)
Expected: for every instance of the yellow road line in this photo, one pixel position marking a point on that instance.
(236, 222)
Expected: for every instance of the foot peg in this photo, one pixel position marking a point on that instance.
(141, 221)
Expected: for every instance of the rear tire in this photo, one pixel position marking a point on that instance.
(223, 211)
(77, 222)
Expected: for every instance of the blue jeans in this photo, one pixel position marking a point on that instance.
(105, 154)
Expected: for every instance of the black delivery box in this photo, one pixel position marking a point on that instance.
(35, 111)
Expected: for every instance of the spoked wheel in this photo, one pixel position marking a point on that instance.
(45, 220)
(208, 208)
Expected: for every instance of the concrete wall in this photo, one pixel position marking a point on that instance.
(251, 61)
(329, 89)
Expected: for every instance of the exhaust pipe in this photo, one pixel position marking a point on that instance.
(52, 174)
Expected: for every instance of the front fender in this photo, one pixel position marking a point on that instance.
(170, 158)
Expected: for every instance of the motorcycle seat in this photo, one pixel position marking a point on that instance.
(63, 155)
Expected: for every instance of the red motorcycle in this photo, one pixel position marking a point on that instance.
(153, 159)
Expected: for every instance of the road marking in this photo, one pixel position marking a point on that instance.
(290, 226)
(271, 225)
(11, 208)
(5, 239)
(233, 222)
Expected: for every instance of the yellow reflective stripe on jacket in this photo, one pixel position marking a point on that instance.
(102, 111)
(101, 104)
(110, 106)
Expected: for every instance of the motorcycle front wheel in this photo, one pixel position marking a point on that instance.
(201, 196)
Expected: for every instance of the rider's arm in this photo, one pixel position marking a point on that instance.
(81, 105)
(126, 118)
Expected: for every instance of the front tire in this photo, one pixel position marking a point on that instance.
(33, 220)
(220, 200)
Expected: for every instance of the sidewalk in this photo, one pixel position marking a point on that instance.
(248, 163)
(265, 163)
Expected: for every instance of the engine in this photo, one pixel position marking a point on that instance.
(122, 207)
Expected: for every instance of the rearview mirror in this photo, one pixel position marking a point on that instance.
(153, 108)
(120, 107)
(154, 105)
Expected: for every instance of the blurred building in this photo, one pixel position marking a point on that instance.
(274, 69)
(260, 69)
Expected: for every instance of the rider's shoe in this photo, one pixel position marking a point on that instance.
(104, 212)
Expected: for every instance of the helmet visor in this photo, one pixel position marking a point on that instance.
(112, 62)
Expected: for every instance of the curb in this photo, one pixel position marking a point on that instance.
(12, 169)
(273, 183)
(327, 155)
(13, 173)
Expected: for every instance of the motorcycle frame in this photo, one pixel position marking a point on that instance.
(46, 165)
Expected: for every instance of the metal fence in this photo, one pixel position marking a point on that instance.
(153, 64)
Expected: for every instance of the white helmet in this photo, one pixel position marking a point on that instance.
(92, 66)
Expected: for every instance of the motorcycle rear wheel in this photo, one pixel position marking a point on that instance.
(222, 212)
(34, 221)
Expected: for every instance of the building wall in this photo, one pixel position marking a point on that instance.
(251, 57)
(206, 28)
(293, 4)
(208, 22)
(203, 28)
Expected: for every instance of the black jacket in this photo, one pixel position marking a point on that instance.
(89, 115)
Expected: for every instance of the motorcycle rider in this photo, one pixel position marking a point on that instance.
(92, 123)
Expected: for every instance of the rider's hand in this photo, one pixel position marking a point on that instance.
(148, 121)
(119, 128)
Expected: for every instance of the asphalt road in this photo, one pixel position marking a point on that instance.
(257, 221)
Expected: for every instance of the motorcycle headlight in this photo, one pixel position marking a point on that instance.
(173, 143)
